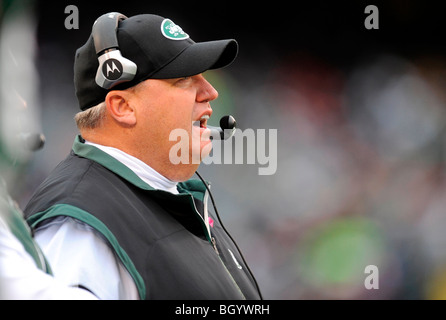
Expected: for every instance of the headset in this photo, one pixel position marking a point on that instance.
(113, 67)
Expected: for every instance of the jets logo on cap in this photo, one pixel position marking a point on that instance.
(172, 31)
(112, 69)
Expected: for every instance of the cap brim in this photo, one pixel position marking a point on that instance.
(198, 58)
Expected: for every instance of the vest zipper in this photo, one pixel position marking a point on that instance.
(229, 273)
(214, 244)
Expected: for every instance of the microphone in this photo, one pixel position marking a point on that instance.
(226, 130)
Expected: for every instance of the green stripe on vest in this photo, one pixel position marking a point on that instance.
(81, 215)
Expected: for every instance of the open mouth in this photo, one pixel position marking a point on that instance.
(203, 121)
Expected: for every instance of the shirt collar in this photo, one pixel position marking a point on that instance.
(141, 169)
(191, 186)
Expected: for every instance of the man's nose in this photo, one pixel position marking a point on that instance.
(206, 91)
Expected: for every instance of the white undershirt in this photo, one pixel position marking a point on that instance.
(95, 266)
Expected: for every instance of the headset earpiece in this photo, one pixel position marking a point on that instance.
(113, 67)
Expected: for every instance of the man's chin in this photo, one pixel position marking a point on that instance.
(205, 149)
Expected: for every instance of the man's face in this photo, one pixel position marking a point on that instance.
(166, 105)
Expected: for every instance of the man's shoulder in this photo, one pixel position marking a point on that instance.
(71, 179)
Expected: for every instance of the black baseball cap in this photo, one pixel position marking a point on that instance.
(159, 48)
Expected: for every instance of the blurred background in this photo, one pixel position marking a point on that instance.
(360, 117)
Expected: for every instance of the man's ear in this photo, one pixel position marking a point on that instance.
(120, 108)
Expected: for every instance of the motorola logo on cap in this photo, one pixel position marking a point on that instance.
(112, 69)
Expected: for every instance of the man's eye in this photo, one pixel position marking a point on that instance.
(183, 81)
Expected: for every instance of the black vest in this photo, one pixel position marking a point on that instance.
(160, 238)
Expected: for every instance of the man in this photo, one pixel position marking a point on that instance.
(117, 217)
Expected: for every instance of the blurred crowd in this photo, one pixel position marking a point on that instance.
(360, 177)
